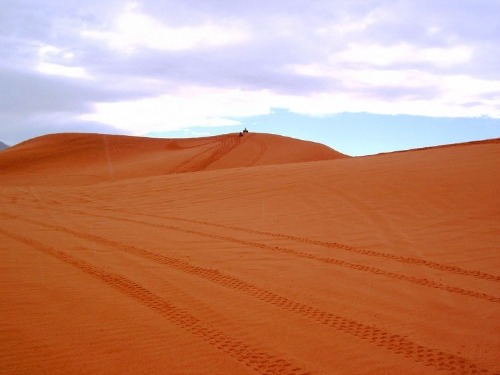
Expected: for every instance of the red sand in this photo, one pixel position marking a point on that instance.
(260, 254)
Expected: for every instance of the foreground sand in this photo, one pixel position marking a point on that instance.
(252, 263)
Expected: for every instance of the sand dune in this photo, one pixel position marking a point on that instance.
(89, 158)
(307, 262)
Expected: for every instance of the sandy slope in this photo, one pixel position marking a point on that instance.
(386, 264)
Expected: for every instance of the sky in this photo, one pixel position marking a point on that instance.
(361, 76)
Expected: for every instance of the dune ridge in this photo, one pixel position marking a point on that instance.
(80, 158)
(461, 144)
(232, 259)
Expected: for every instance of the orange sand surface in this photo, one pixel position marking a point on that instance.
(247, 255)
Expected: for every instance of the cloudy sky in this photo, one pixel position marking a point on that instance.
(362, 76)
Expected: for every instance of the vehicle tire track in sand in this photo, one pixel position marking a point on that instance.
(215, 153)
(256, 359)
(225, 146)
(301, 254)
(187, 166)
(394, 343)
(336, 245)
(262, 151)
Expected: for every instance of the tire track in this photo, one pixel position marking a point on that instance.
(256, 359)
(187, 166)
(301, 254)
(224, 147)
(394, 343)
(263, 149)
(336, 245)
(328, 244)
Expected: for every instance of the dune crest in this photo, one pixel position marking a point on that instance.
(89, 158)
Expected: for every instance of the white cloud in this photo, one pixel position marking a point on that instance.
(349, 25)
(134, 30)
(61, 70)
(209, 106)
(191, 106)
(334, 103)
(369, 78)
(57, 61)
(403, 53)
(421, 92)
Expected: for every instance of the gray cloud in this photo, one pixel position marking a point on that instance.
(35, 93)
(16, 128)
